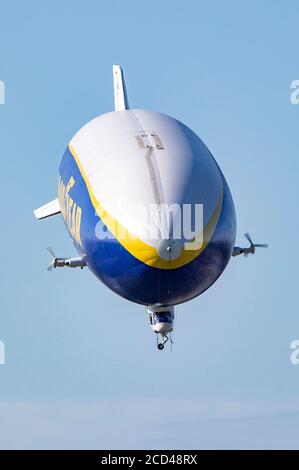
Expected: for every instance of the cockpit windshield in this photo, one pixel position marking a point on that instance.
(162, 317)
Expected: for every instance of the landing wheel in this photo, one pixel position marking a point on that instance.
(160, 346)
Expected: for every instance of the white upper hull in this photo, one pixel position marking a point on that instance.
(112, 150)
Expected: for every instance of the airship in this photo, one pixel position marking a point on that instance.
(147, 207)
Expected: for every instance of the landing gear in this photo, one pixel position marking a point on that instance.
(165, 338)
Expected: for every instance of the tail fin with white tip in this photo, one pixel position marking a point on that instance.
(120, 94)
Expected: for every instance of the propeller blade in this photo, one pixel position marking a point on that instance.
(53, 262)
(50, 267)
(261, 245)
(51, 251)
(246, 235)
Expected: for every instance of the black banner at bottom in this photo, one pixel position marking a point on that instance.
(134, 459)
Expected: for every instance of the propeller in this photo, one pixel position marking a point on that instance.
(54, 260)
(253, 246)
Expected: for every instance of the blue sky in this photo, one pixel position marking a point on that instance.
(82, 370)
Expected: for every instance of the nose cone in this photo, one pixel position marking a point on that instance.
(170, 249)
(148, 172)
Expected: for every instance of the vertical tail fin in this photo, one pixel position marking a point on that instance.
(120, 94)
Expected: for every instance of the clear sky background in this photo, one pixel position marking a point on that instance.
(82, 369)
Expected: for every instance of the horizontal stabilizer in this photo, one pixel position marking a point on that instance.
(52, 208)
(120, 94)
